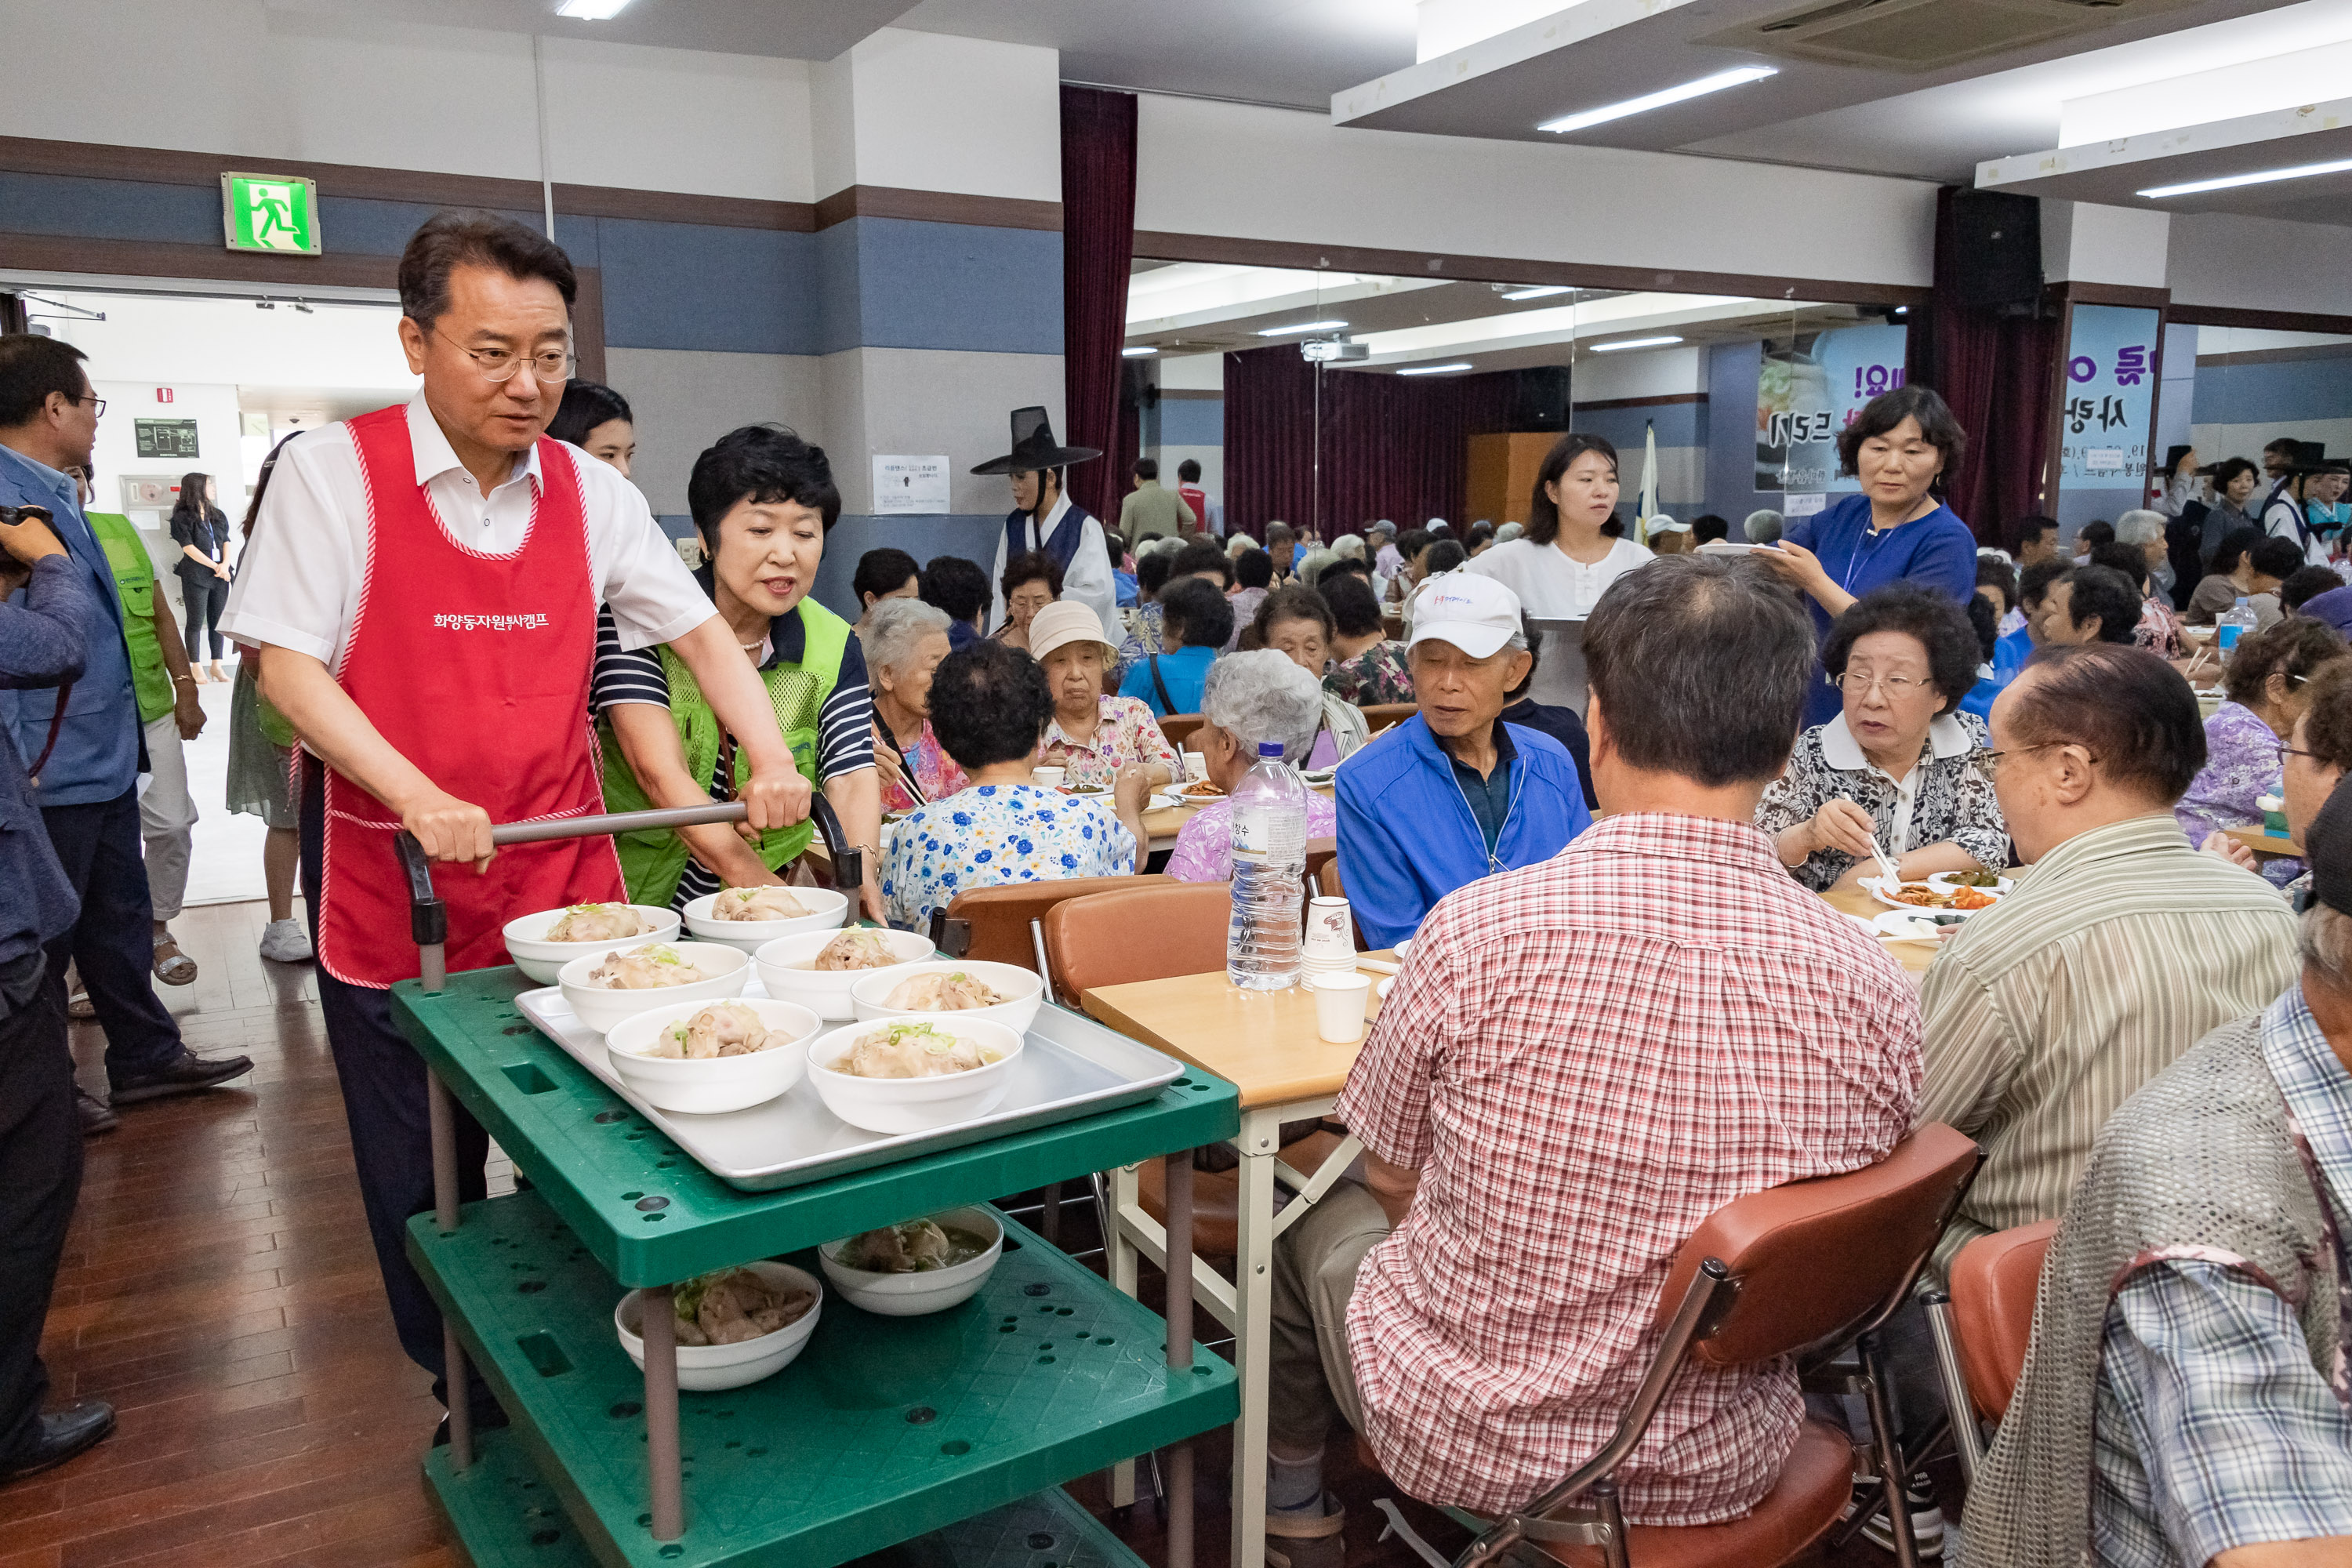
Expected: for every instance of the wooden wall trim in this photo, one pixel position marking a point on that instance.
(937, 207)
(1165, 246)
(2078, 292)
(1580, 405)
(2272, 320)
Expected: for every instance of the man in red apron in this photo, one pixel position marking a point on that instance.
(422, 584)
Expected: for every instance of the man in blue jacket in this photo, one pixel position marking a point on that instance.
(1452, 793)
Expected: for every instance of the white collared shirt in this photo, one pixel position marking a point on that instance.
(1946, 737)
(1087, 578)
(300, 578)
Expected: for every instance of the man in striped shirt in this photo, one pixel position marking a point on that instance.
(2120, 948)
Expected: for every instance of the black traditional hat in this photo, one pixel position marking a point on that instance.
(1033, 447)
(2311, 457)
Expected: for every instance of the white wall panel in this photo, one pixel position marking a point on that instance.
(686, 399)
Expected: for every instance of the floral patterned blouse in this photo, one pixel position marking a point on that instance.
(990, 835)
(1204, 845)
(1128, 734)
(2242, 763)
(1953, 800)
(2159, 630)
(1377, 675)
(934, 773)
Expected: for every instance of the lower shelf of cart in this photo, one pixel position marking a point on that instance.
(508, 1519)
(884, 1428)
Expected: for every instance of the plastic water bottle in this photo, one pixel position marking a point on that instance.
(1269, 874)
(2233, 624)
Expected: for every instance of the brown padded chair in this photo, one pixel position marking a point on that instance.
(1321, 854)
(1091, 942)
(1802, 1269)
(1380, 716)
(996, 919)
(1994, 1281)
(1179, 727)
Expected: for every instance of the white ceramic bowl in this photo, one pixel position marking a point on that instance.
(868, 994)
(720, 1084)
(831, 910)
(896, 1105)
(528, 945)
(914, 1295)
(600, 1007)
(708, 1369)
(783, 966)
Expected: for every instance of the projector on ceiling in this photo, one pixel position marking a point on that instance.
(1322, 351)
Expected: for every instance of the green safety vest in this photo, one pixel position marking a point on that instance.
(652, 862)
(135, 585)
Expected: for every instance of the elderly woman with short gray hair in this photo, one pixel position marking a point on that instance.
(1251, 699)
(904, 640)
(2145, 528)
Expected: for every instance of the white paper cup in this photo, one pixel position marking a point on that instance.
(1339, 1006)
(1196, 765)
(1331, 930)
(1046, 778)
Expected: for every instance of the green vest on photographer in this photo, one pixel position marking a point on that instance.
(135, 585)
(652, 862)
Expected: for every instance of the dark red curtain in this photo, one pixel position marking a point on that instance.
(1098, 251)
(1995, 369)
(1394, 447)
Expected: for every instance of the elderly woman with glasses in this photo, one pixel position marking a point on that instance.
(904, 640)
(1899, 764)
(2266, 684)
(1094, 737)
(1250, 699)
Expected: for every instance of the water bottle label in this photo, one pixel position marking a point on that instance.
(2229, 636)
(1268, 836)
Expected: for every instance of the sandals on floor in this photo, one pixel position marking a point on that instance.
(79, 1005)
(1307, 1541)
(174, 967)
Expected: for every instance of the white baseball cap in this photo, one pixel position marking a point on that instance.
(1475, 613)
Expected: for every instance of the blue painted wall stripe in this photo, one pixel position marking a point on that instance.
(2275, 392)
(897, 283)
(699, 286)
(1192, 422)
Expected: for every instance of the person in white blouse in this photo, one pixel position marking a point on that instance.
(1045, 517)
(1565, 561)
(422, 583)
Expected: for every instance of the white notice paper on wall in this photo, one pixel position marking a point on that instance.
(906, 487)
(1804, 505)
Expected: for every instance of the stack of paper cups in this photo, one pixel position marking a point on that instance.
(1329, 944)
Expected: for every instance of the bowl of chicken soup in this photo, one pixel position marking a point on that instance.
(604, 990)
(914, 1073)
(1001, 993)
(750, 918)
(541, 944)
(710, 1057)
(816, 968)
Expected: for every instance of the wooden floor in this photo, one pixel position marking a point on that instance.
(219, 1287)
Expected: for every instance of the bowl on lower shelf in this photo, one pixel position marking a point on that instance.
(826, 910)
(709, 1369)
(527, 944)
(896, 1105)
(870, 996)
(711, 1085)
(601, 1008)
(784, 972)
(917, 1293)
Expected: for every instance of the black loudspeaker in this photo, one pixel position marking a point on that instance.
(1996, 248)
(1539, 398)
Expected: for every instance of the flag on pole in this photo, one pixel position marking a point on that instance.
(1648, 507)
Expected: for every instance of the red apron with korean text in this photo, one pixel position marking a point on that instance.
(476, 669)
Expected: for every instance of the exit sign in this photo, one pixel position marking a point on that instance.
(276, 213)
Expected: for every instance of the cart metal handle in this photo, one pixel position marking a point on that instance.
(428, 917)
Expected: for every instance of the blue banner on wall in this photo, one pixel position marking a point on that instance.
(2110, 399)
(1810, 388)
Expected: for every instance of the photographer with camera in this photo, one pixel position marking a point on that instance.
(84, 743)
(43, 643)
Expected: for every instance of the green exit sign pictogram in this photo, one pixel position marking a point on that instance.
(276, 213)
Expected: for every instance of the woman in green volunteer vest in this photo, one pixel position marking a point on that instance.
(762, 501)
(169, 713)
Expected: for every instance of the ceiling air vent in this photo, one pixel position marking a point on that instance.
(1923, 34)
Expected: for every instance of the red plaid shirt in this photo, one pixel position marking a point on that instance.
(1585, 1060)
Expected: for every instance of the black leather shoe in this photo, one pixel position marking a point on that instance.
(95, 1116)
(185, 1075)
(76, 1429)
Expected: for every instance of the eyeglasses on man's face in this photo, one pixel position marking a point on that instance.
(1990, 763)
(500, 365)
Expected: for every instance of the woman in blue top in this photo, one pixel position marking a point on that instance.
(1195, 622)
(1900, 444)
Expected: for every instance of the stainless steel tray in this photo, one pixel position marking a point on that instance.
(1069, 1066)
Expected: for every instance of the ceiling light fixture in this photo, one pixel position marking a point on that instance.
(1541, 291)
(1301, 327)
(1139, 351)
(1688, 90)
(591, 10)
(1634, 344)
(2228, 181)
(1434, 369)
